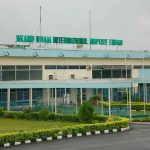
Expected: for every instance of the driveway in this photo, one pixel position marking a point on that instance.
(138, 138)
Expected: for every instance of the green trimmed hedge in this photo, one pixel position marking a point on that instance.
(51, 116)
(146, 119)
(135, 105)
(83, 128)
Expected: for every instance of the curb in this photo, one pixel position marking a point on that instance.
(68, 136)
(141, 123)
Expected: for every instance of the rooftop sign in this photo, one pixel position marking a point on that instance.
(67, 40)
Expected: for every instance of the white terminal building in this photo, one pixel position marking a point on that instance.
(60, 79)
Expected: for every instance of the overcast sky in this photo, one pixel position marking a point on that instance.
(115, 19)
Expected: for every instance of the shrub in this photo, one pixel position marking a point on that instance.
(1, 112)
(146, 119)
(51, 116)
(27, 110)
(86, 112)
(95, 99)
(134, 105)
(100, 118)
(43, 114)
(83, 128)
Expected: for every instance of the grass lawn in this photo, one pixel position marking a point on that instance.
(14, 125)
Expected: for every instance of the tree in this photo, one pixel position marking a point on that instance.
(95, 99)
(86, 112)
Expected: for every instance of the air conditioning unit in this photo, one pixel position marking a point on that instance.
(72, 76)
(51, 77)
(88, 67)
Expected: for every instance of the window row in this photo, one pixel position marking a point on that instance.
(64, 67)
(141, 67)
(96, 74)
(20, 75)
(98, 67)
(21, 67)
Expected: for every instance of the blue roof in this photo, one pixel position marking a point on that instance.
(65, 84)
(72, 53)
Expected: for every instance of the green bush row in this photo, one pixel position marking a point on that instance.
(135, 106)
(51, 116)
(83, 128)
(146, 119)
(37, 116)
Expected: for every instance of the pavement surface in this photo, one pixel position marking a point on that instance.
(138, 138)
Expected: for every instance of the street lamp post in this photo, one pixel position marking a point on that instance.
(144, 96)
(126, 77)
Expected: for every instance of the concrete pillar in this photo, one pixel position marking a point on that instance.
(130, 111)
(48, 102)
(45, 96)
(144, 88)
(55, 100)
(89, 93)
(102, 107)
(52, 100)
(127, 99)
(146, 92)
(139, 91)
(81, 95)
(73, 95)
(30, 97)
(111, 94)
(8, 99)
(109, 101)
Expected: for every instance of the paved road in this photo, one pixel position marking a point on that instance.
(138, 138)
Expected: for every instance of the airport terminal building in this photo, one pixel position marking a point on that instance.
(63, 78)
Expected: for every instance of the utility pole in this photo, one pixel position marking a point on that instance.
(90, 30)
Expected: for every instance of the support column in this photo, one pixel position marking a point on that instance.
(76, 103)
(30, 97)
(52, 101)
(139, 91)
(144, 88)
(8, 99)
(130, 111)
(109, 98)
(81, 95)
(127, 98)
(111, 94)
(146, 91)
(48, 97)
(102, 107)
(55, 100)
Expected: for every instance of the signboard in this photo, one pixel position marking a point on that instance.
(43, 39)
(25, 38)
(67, 40)
(106, 42)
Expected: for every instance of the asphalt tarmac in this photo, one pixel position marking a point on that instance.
(138, 138)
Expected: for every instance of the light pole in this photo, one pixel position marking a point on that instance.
(143, 79)
(128, 94)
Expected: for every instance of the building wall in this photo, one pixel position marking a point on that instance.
(66, 74)
(73, 61)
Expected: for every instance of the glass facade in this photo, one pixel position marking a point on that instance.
(64, 67)
(84, 94)
(60, 92)
(99, 72)
(3, 98)
(19, 98)
(11, 73)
